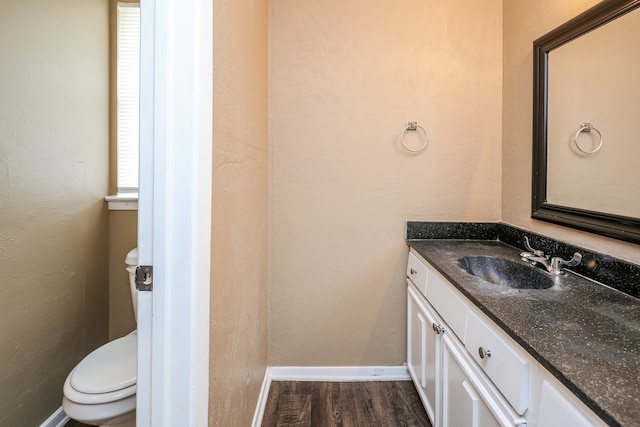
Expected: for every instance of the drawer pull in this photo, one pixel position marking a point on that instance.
(484, 353)
(438, 329)
(413, 271)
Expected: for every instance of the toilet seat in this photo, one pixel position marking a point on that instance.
(107, 374)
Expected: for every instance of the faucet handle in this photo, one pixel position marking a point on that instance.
(527, 246)
(557, 263)
(577, 259)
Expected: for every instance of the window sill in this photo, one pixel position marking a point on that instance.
(122, 202)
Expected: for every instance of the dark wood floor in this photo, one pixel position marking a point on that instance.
(344, 404)
(74, 423)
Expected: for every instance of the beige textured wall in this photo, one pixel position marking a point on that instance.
(123, 236)
(525, 21)
(345, 76)
(53, 219)
(240, 210)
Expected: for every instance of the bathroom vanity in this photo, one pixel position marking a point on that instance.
(486, 354)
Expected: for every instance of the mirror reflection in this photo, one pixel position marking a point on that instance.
(593, 79)
(585, 140)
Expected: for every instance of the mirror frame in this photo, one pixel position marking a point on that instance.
(616, 226)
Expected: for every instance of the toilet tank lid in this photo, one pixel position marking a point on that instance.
(132, 257)
(109, 368)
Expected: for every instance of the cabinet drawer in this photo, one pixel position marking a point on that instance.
(500, 360)
(418, 273)
(448, 304)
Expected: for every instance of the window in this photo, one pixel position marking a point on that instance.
(128, 97)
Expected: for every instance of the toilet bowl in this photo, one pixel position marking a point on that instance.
(101, 389)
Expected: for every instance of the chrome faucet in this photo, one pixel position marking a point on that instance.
(554, 265)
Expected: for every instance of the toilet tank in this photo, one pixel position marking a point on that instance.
(132, 262)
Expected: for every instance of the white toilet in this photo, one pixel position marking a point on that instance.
(101, 389)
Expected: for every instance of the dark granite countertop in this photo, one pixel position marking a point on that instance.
(586, 334)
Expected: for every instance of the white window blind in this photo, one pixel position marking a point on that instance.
(128, 96)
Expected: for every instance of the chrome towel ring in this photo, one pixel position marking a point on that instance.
(587, 127)
(414, 126)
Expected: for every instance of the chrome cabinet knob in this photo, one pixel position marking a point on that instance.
(484, 353)
(438, 329)
(413, 271)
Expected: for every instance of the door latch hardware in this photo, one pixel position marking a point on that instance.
(144, 278)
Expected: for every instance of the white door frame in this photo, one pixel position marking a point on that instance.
(174, 211)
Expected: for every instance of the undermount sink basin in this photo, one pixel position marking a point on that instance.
(505, 272)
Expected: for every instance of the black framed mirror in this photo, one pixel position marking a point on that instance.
(586, 104)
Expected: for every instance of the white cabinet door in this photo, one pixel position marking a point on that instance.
(462, 404)
(423, 352)
(556, 410)
(416, 333)
(453, 388)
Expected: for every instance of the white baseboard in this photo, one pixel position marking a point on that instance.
(324, 373)
(262, 400)
(339, 373)
(57, 419)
